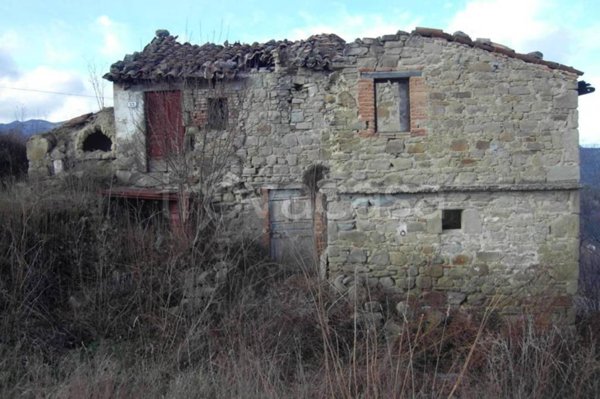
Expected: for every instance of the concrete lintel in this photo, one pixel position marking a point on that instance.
(390, 75)
(406, 189)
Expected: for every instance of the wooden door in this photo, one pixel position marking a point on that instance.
(291, 229)
(164, 124)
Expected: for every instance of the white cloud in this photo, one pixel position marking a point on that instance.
(587, 53)
(32, 100)
(113, 37)
(514, 23)
(589, 104)
(45, 78)
(71, 107)
(10, 40)
(8, 66)
(547, 26)
(57, 54)
(588, 38)
(350, 27)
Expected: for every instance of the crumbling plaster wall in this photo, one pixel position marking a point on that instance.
(130, 134)
(275, 131)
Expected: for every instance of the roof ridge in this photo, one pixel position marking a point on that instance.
(166, 58)
(492, 47)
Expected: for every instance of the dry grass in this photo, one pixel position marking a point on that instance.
(13, 157)
(96, 304)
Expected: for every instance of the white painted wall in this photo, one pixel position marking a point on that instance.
(130, 129)
(129, 112)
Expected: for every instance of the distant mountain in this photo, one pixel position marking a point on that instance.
(590, 199)
(590, 166)
(28, 128)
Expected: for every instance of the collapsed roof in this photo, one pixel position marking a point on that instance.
(164, 58)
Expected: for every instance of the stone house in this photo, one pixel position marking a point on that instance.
(423, 162)
(81, 144)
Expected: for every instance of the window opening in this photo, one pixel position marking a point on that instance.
(451, 219)
(392, 102)
(217, 113)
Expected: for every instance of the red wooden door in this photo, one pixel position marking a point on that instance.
(164, 124)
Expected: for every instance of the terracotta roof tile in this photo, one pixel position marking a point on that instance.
(430, 32)
(164, 58)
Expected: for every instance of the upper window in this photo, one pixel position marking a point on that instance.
(392, 103)
(217, 113)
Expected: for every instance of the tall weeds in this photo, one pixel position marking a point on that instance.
(13, 157)
(98, 303)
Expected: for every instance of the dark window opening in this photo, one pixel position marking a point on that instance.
(392, 103)
(97, 141)
(217, 113)
(150, 214)
(151, 209)
(451, 219)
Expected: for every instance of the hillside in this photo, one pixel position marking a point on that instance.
(590, 166)
(28, 128)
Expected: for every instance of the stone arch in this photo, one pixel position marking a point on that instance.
(96, 140)
(312, 175)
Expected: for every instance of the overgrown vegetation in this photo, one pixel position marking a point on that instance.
(13, 157)
(98, 303)
(589, 270)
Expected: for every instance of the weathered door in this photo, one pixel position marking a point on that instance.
(291, 227)
(164, 125)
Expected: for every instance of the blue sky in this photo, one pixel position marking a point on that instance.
(52, 45)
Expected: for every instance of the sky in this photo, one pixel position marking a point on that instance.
(54, 52)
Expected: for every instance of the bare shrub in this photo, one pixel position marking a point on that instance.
(533, 361)
(588, 300)
(13, 157)
(97, 302)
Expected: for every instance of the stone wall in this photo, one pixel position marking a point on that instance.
(85, 144)
(512, 246)
(487, 119)
(487, 134)
(490, 135)
(274, 133)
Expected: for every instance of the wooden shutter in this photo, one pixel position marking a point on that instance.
(164, 124)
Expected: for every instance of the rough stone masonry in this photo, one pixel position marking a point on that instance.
(448, 168)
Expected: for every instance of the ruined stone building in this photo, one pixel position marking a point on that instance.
(423, 161)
